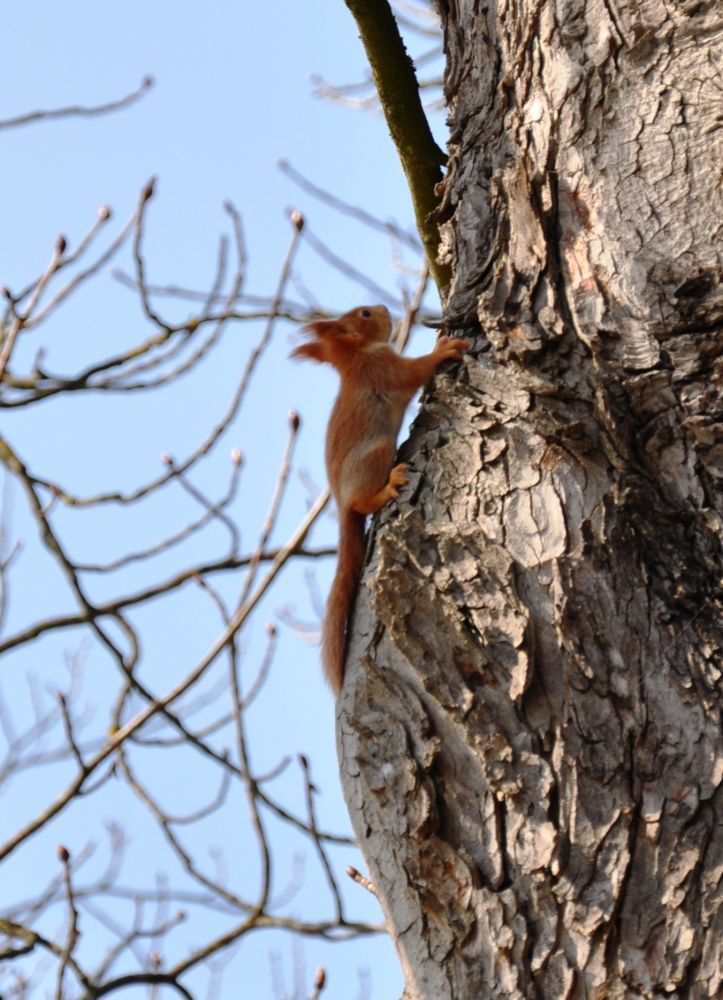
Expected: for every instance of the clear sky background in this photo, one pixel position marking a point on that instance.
(232, 96)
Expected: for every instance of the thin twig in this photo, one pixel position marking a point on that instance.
(412, 311)
(349, 271)
(79, 110)
(21, 318)
(70, 735)
(268, 526)
(73, 930)
(353, 211)
(325, 863)
(89, 271)
(319, 983)
(361, 880)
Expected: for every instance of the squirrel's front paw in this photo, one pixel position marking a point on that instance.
(452, 347)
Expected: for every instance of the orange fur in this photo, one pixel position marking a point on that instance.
(376, 386)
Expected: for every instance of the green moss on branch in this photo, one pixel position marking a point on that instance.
(398, 90)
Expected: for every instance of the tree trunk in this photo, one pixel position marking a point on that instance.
(530, 728)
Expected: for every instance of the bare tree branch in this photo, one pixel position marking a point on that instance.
(79, 110)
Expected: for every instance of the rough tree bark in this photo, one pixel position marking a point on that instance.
(530, 728)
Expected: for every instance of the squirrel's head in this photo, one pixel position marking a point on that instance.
(353, 331)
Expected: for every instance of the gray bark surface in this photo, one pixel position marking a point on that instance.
(530, 727)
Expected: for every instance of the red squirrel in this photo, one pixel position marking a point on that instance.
(361, 441)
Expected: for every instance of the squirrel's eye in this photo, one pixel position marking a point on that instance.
(365, 313)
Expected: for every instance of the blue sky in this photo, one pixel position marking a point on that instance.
(232, 96)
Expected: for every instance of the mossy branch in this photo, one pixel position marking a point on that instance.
(398, 90)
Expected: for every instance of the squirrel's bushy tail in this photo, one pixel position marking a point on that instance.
(343, 589)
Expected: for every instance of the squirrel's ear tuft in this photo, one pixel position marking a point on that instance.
(325, 328)
(319, 331)
(313, 351)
